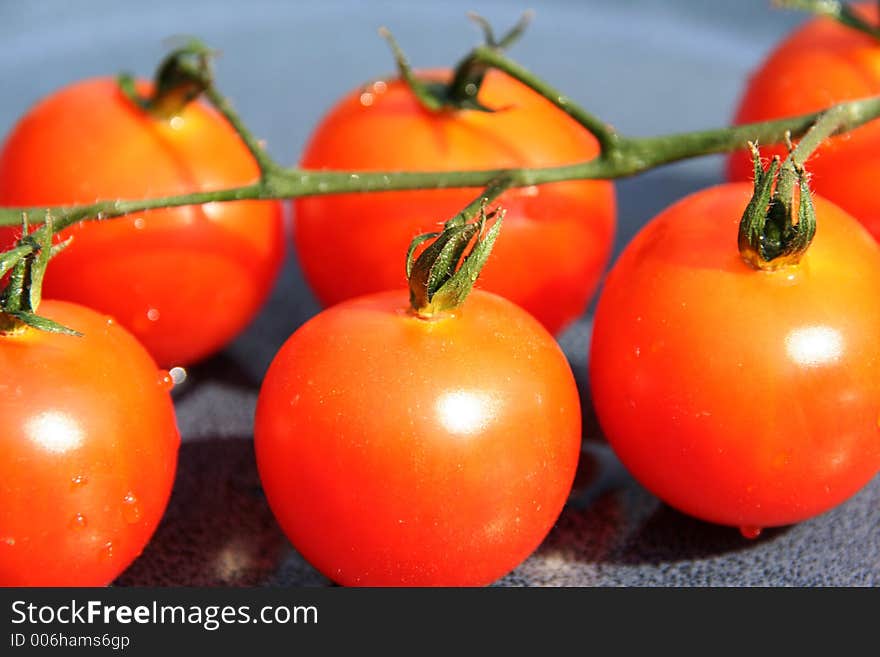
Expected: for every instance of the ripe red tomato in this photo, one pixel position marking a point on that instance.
(89, 448)
(396, 450)
(743, 397)
(821, 64)
(184, 280)
(557, 238)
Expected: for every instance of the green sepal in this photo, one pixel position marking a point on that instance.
(769, 237)
(10, 258)
(411, 251)
(454, 291)
(43, 238)
(41, 323)
(436, 264)
(437, 282)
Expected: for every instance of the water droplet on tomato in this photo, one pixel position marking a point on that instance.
(139, 223)
(176, 122)
(130, 509)
(108, 549)
(153, 314)
(380, 87)
(366, 99)
(165, 380)
(750, 532)
(9, 541)
(79, 521)
(79, 480)
(178, 375)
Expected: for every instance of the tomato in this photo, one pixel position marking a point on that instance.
(821, 64)
(557, 238)
(89, 449)
(184, 280)
(743, 397)
(396, 450)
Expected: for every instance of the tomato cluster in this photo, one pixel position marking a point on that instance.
(399, 447)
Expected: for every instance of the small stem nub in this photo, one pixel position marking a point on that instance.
(769, 235)
(462, 92)
(835, 10)
(437, 282)
(181, 78)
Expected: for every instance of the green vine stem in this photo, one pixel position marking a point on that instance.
(620, 156)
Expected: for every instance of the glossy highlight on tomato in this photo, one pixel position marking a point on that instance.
(185, 281)
(89, 450)
(557, 238)
(819, 65)
(396, 450)
(743, 397)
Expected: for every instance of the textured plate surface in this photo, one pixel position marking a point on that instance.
(648, 66)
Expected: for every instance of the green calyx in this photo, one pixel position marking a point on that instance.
(26, 264)
(181, 78)
(437, 282)
(462, 92)
(770, 235)
(835, 10)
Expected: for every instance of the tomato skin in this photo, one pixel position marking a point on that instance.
(400, 451)
(556, 240)
(819, 65)
(184, 280)
(741, 397)
(89, 451)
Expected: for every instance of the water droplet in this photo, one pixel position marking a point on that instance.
(323, 187)
(750, 533)
(153, 315)
(178, 375)
(471, 89)
(130, 509)
(366, 99)
(380, 87)
(79, 480)
(354, 176)
(110, 321)
(9, 541)
(176, 122)
(108, 549)
(165, 380)
(79, 521)
(139, 223)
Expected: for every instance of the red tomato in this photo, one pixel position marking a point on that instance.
(821, 64)
(89, 448)
(402, 451)
(743, 397)
(557, 238)
(184, 280)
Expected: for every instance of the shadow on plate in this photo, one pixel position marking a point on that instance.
(218, 529)
(611, 519)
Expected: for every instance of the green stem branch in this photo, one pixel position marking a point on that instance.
(621, 156)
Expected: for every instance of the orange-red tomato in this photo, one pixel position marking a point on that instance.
(402, 451)
(89, 449)
(184, 280)
(556, 239)
(743, 397)
(821, 64)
